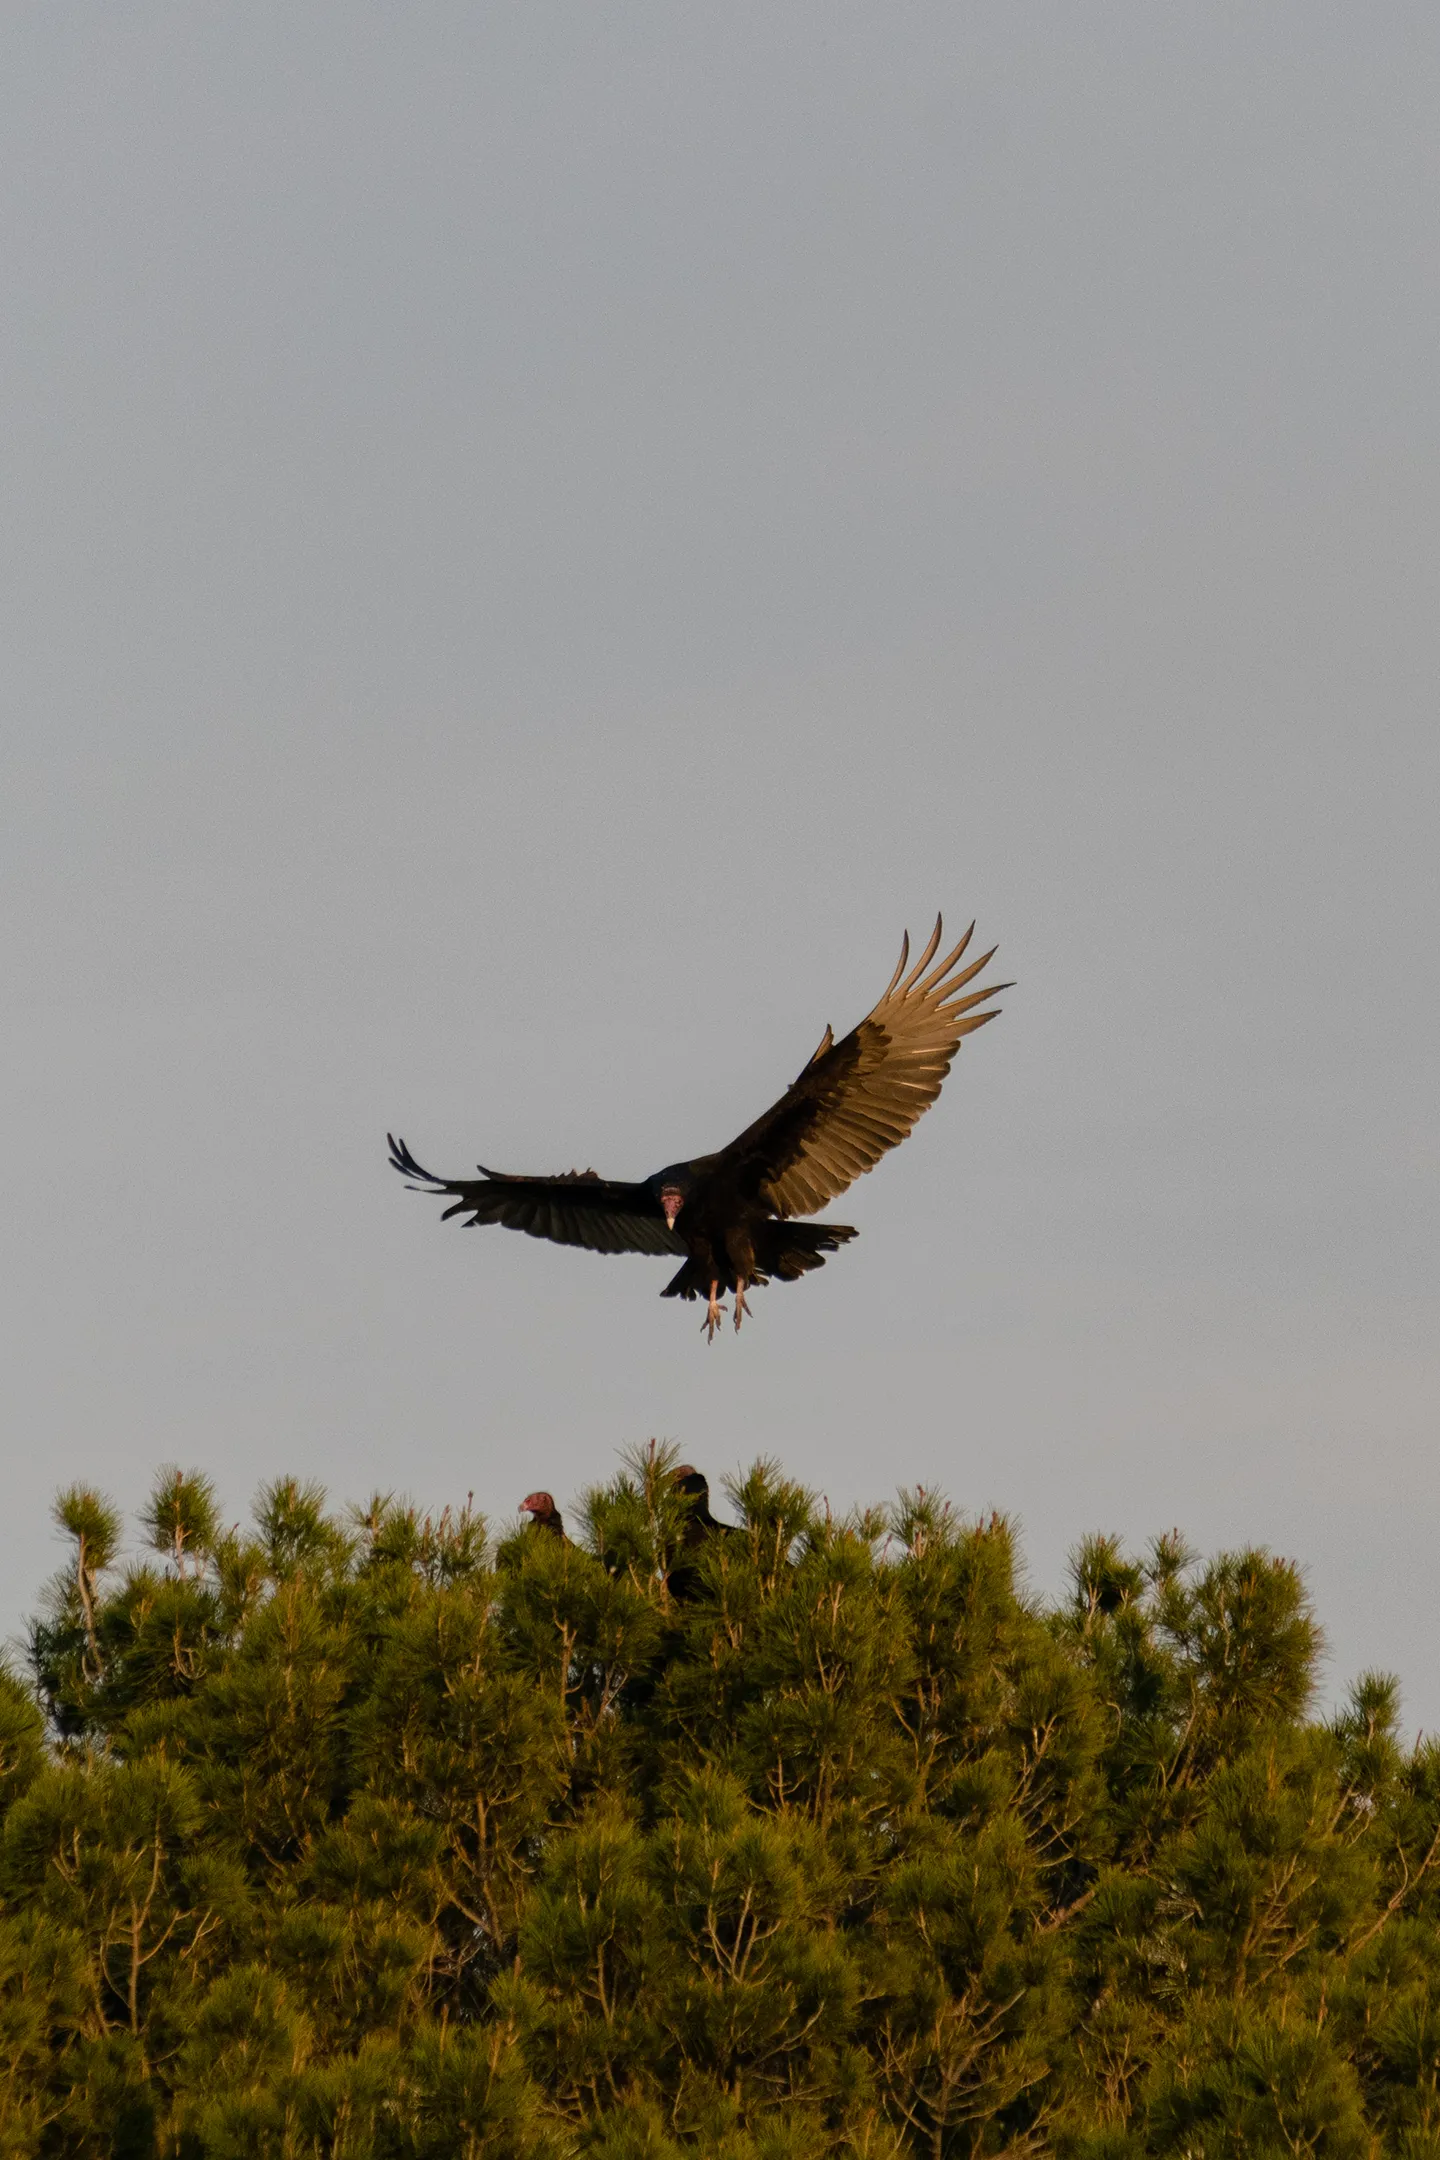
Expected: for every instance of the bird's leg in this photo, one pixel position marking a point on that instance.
(741, 1308)
(715, 1314)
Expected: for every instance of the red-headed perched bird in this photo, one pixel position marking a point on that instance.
(543, 1513)
(730, 1215)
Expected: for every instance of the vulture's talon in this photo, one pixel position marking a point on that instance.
(713, 1317)
(741, 1308)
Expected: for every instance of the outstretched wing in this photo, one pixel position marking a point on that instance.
(860, 1096)
(578, 1208)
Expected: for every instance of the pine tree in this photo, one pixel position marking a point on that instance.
(373, 1837)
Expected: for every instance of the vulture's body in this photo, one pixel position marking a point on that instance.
(729, 1216)
(687, 1579)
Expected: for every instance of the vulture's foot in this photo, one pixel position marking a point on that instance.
(741, 1308)
(715, 1314)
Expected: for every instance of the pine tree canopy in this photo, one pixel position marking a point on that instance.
(374, 1837)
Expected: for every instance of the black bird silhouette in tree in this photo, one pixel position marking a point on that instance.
(694, 1486)
(730, 1215)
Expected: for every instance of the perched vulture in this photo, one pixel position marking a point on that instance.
(729, 1216)
(687, 1583)
(699, 1522)
(543, 1513)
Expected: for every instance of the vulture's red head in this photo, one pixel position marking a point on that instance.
(672, 1189)
(543, 1513)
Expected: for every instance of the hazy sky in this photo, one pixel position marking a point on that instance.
(538, 539)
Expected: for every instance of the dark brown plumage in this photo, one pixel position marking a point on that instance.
(730, 1214)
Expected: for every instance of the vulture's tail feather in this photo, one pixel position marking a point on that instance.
(786, 1249)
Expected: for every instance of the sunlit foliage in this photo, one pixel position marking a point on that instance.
(374, 1837)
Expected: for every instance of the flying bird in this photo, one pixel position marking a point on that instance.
(730, 1216)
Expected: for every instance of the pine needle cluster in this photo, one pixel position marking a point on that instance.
(377, 1838)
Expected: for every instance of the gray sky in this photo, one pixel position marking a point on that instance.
(539, 539)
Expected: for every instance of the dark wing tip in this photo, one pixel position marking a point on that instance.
(402, 1160)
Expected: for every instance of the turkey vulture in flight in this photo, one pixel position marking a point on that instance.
(729, 1215)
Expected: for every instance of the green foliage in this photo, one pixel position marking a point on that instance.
(181, 1518)
(373, 1838)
